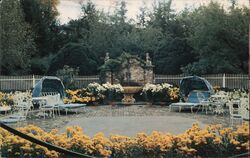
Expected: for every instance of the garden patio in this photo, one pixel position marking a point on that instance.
(124, 123)
(128, 120)
(126, 108)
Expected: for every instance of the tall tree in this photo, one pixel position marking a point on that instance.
(41, 15)
(75, 55)
(17, 43)
(204, 40)
(162, 15)
(121, 12)
(172, 47)
(142, 16)
(219, 39)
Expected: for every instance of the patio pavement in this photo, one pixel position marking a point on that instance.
(127, 120)
(130, 125)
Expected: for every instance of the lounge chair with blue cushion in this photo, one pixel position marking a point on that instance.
(194, 100)
(59, 105)
(194, 91)
(72, 106)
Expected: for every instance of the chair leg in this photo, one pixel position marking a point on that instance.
(53, 113)
(59, 111)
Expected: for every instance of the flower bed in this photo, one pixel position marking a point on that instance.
(212, 141)
(235, 94)
(6, 99)
(160, 92)
(10, 99)
(94, 92)
(79, 96)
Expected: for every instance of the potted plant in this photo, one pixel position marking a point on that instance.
(157, 92)
(97, 91)
(112, 92)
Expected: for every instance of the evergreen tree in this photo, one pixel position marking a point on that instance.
(41, 15)
(219, 39)
(16, 39)
(142, 16)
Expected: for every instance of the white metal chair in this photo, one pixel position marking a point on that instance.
(244, 108)
(49, 93)
(58, 101)
(218, 101)
(234, 110)
(22, 105)
(48, 106)
(203, 102)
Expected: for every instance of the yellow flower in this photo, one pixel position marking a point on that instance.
(105, 153)
(246, 145)
(234, 142)
(74, 137)
(72, 92)
(217, 140)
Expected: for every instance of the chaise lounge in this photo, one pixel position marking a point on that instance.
(194, 91)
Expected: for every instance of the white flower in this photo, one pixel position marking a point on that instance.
(221, 93)
(107, 85)
(234, 95)
(148, 87)
(114, 87)
(155, 88)
(166, 85)
(97, 87)
(22, 97)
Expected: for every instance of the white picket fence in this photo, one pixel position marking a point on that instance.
(8, 83)
(232, 81)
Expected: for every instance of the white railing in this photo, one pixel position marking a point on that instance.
(232, 81)
(27, 82)
(8, 83)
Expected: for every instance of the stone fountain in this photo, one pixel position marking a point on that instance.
(130, 71)
(128, 94)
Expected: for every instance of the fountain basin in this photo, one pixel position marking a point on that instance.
(128, 94)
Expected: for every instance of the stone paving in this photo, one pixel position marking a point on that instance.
(128, 120)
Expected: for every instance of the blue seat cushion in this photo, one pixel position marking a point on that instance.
(71, 106)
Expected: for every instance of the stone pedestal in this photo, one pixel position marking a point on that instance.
(108, 77)
(148, 74)
(128, 99)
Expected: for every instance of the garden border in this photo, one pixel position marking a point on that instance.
(44, 144)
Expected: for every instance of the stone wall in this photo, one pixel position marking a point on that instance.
(132, 69)
(148, 74)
